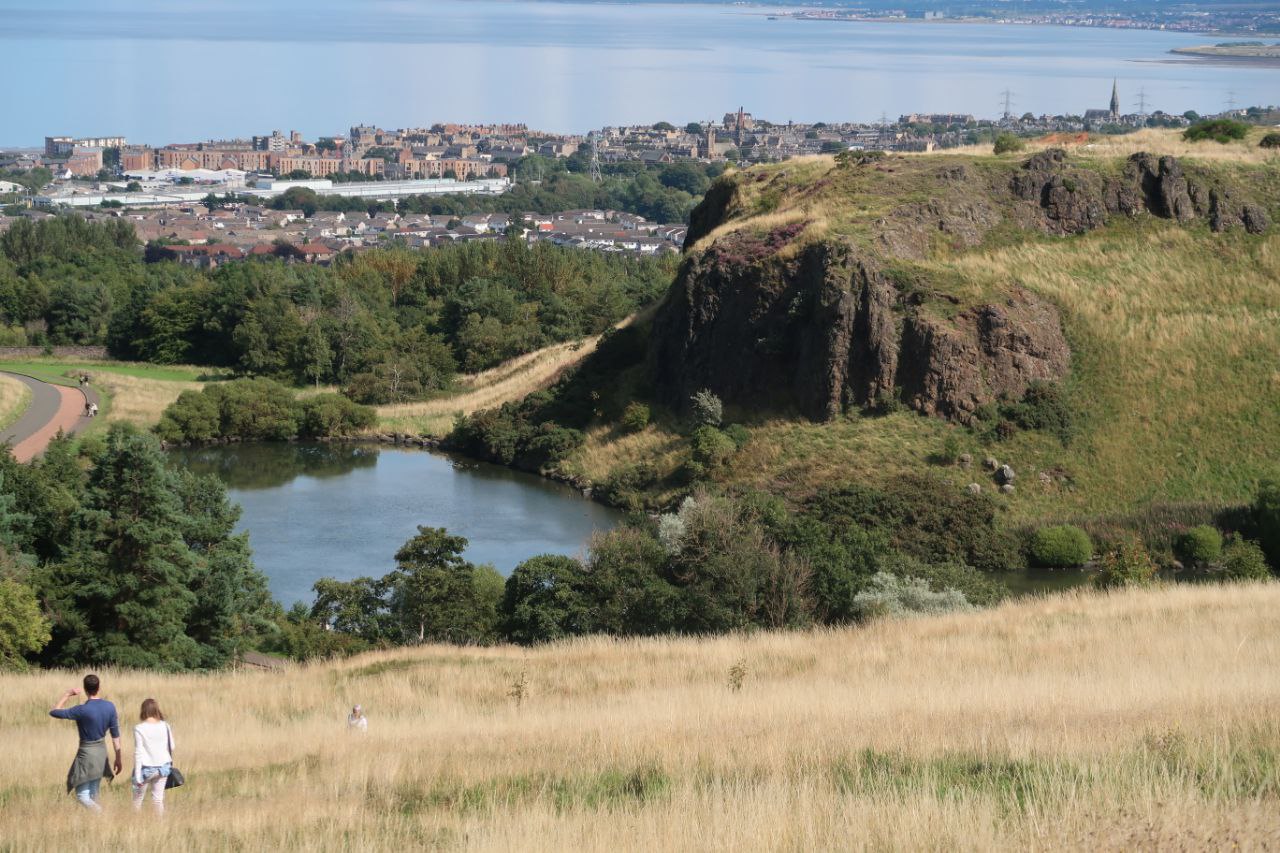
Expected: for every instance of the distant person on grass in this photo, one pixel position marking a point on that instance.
(94, 718)
(357, 721)
(152, 756)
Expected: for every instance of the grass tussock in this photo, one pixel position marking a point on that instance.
(1082, 721)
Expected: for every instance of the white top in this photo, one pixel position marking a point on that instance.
(360, 723)
(151, 747)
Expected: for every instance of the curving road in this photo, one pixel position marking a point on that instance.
(53, 408)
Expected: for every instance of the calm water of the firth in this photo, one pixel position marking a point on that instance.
(342, 511)
(165, 71)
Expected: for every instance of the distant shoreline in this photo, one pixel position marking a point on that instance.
(806, 15)
(1262, 56)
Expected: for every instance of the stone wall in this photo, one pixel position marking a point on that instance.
(60, 352)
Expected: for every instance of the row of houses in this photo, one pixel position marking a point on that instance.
(194, 235)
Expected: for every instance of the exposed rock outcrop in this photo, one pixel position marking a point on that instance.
(1226, 211)
(826, 329)
(823, 326)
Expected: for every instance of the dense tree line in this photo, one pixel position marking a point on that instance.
(129, 562)
(719, 563)
(387, 325)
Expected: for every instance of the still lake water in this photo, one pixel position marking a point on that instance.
(165, 71)
(342, 511)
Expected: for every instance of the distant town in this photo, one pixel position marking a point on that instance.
(211, 201)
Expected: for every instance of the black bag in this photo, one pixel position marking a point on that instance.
(175, 779)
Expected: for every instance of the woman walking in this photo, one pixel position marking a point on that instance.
(152, 755)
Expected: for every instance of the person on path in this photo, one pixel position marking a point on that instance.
(93, 410)
(357, 721)
(88, 407)
(152, 755)
(94, 718)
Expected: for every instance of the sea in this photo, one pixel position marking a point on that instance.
(164, 71)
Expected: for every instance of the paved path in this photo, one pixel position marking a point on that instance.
(53, 408)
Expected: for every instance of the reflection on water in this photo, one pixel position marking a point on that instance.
(1034, 581)
(263, 466)
(342, 511)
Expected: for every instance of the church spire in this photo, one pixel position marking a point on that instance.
(1115, 100)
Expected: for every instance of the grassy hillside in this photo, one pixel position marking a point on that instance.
(1082, 721)
(1175, 332)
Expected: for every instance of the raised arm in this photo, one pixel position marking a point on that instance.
(56, 710)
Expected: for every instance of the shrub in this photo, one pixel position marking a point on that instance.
(1266, 518)
(1127, 564)
(1061, 546)
(259, 410)
(672, 526)
(626, 485)
(706, 408)
(951, 449)
(334, 415)
(1200, 545)
(711, 447)
(978, 588)
(1243, 560)
(925, 517)
(739, 434)
(1043, 407)
(1007, 143)
(890, 595)
(1221, 130)
(635, 417)
(1271, 140)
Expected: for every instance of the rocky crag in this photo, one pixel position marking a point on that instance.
(778, 317)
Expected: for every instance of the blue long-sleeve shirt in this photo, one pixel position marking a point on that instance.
(94, 719)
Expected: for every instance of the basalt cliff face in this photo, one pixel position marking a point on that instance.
(773, 318)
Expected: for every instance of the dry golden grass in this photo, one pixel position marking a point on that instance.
(1085, 721)
(510, 380)
(1159, 141)
(14, 399)
(138, 400)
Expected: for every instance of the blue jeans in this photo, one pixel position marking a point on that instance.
(87, 794)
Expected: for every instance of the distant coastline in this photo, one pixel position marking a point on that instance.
(1254, 54)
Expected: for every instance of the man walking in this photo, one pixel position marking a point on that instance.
(94, 718)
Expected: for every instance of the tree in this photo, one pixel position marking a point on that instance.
(315, 354)
(693, 128)
(435, 595)
(545, 599)
(23, 628)
(664, 126)
(1266, 518)
(123, 595)
(355, 607)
